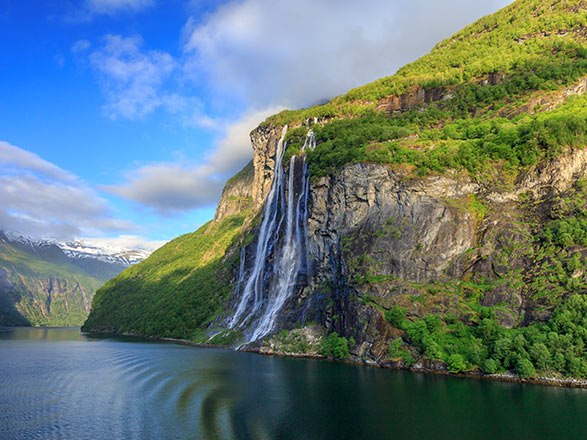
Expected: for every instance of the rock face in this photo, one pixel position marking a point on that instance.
(415, 98)
(378, 237)
(264, 141)
(542, 102)
(237, 195)
(44, 300)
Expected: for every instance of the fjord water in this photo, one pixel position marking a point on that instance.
(59, 384)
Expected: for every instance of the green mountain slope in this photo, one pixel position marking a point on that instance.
(176, 290)
(529, 45)
(499, 107)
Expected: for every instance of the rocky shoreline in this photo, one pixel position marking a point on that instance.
(426, 366)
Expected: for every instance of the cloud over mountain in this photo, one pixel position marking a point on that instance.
(265, 56)
(296, 53)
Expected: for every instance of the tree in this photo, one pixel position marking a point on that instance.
(456, 363)
(490, 366)
(540, 355)
(525, 369)
(335, 346)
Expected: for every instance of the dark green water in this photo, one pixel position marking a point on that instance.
(59, 384)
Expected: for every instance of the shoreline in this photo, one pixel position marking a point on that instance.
(501, 377)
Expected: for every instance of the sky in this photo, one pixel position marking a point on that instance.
(122, 119)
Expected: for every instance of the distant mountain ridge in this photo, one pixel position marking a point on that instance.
(82, 249)
(50, 282)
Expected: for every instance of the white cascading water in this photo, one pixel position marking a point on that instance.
(255, 281)
(272, 280)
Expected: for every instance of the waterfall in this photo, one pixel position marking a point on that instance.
(280, 260)
(310, 142)
(254, 284)
(241, 266)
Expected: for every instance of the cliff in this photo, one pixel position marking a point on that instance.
(435, 219)
(39, 286)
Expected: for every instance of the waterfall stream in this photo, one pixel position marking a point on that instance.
(280, 259)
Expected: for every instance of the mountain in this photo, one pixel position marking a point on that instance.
(435, 219)
(47, 282)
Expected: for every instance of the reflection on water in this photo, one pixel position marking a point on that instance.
(57, 383)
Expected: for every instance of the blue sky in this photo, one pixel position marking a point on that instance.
(125, 117)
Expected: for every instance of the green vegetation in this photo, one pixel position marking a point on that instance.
(243, 176)
(558, 249)
(472, 144)
(176, 291)
(398, 351)
(396, 316)
(336, 347)
(292, 342)
(226, 338)
(295, 139)
(557, 346)
(42, 288)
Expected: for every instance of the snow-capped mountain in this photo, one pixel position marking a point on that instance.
(81, 249)
(85, 249)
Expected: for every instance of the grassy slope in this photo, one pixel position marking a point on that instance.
(25, 272)
(173, 293)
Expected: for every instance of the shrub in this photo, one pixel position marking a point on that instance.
(396, 316)
(456, 363)
(417, 331)
(490, 366)
(431, 347)
(525, 369)
(433, 322)
(336, 347)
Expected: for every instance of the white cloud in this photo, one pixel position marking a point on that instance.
(39, 198)
(113, 6)
(137, 82)
(12, 157)
(80, 46)
(168, 188)
(91, 8)
(131, 78)
(297, 53)
(124, 242)
(234, 149)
